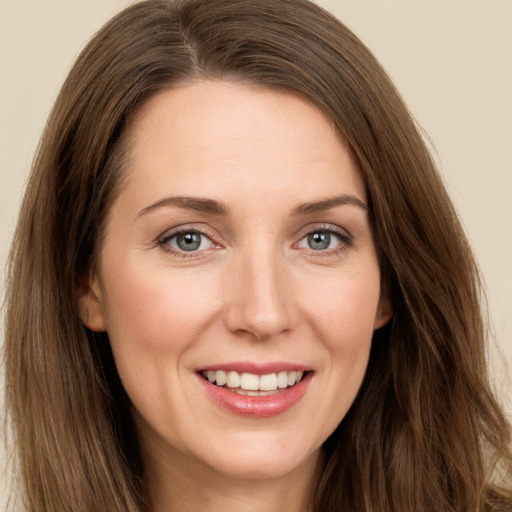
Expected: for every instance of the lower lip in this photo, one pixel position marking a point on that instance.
(258, 406)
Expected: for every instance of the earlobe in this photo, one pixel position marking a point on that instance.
(90, 304)
(384, 312)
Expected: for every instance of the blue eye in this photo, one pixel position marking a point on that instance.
(322, 240)
(189, 241)
(319, 241)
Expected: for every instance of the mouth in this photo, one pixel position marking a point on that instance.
(256, 391)
(251, 384)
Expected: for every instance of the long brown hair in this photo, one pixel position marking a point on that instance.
(425, 432)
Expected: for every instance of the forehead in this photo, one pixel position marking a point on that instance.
(218, 136)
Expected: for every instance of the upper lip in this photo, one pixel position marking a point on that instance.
(256, 368)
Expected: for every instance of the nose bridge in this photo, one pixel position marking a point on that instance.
(258, 301)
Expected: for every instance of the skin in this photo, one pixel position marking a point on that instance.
(254, 291)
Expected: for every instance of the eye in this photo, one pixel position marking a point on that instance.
(188, 241)
(320, 241)
(324, 240)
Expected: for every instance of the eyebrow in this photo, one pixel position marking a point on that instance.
(212, 207)
(198, 204)
(328, 203)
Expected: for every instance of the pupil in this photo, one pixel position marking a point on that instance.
(319, 241)
(189, 241)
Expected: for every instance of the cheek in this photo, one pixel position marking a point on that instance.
(152, 310)
(343, 317)
(344, 309)
(347, 333)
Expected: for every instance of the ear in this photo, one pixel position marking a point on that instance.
(384, 311)
(90, 303)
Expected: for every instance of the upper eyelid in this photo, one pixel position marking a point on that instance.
(333, 228)
(185, 228)
(174, 234)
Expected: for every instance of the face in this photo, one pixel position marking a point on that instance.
(238, 279)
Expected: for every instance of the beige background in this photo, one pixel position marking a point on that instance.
(451, 60)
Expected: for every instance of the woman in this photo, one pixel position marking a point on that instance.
(238, 282)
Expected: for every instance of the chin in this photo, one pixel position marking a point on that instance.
(262, 461)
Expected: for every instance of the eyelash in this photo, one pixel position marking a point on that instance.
(344, 237)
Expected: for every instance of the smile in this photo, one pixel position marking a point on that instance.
(251, 384)
(257, 391)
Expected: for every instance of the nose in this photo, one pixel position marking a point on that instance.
(258, 296)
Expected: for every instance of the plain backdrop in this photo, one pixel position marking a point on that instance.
(450, 59)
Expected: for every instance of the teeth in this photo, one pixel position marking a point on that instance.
(221, 378)
(282, 380)
(252, 383)
(268, 382)
(233, 380)
(249, 381)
